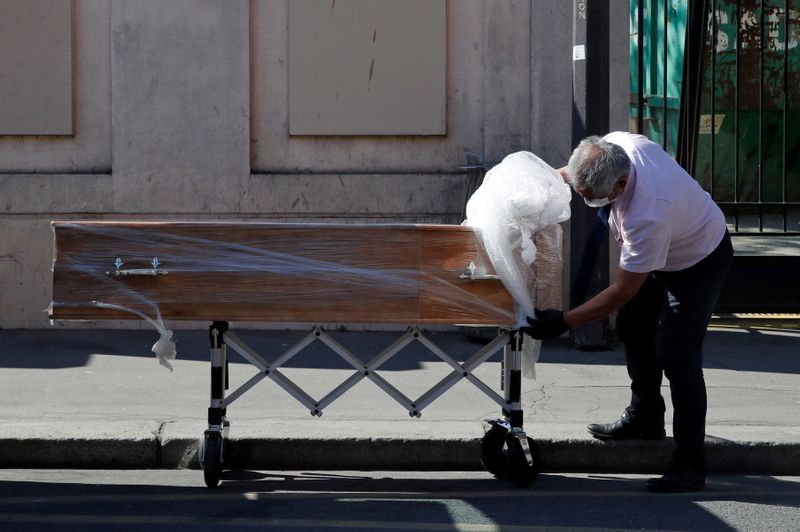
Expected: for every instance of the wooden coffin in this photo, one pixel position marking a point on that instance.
(275, 272)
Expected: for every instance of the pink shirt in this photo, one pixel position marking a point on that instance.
(663, 220)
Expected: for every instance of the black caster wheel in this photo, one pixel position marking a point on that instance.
(212, 458)
(518, 471)
(493, 454)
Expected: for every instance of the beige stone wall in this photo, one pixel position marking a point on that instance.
(181, 111)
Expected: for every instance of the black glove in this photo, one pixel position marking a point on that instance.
(548, 324)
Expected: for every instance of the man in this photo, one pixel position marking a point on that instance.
(675, 254)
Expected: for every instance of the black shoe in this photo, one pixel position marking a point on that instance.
(631, 426)
(679, 478)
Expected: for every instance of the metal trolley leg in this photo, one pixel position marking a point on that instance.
(506, 451)
(212, 452)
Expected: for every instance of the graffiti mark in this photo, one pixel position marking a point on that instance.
(371, 70)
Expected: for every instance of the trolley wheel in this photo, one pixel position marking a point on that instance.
(212, 458)
(493, 456)
(517, 469)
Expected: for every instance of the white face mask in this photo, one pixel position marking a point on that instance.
(597, 203)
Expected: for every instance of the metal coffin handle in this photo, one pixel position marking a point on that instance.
(137, 272)
(471, 273)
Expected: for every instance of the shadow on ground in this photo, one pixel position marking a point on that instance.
(318, 500)
(759, 349)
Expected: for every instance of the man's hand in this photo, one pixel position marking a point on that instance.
(548, 324)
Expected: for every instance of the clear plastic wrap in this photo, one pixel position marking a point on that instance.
(516, 211)
(287, 273)
(275, 272)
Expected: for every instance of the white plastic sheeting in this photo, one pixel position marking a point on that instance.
(520, 197)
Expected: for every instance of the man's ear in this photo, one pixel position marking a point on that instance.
(621, 182)
(619, 187)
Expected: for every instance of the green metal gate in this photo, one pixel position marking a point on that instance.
(743, 143)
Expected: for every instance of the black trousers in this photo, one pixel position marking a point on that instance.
(663, 328)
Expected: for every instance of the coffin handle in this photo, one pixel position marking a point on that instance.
(136, 272)
(471, 273)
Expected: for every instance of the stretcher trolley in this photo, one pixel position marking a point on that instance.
(223, 272)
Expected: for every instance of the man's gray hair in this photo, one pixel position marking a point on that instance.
(597, 164)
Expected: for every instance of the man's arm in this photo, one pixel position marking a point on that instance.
(551, 323)
(620, 292)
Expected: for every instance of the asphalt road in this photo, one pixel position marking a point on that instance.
(39, 500)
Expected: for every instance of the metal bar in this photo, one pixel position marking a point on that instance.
(337, 392)
(640, 67)
(390, 351)
(785, 168)
(683, 100)
(713, 92)
(340, 350)
(697, 35)
(246, 351)
(217, 354)
(294, 390)
(514, 382)
(255, 379)
(666, 60)
(516, 350)
(394, 393)
(485, 352)
(756, 233)
(736, 116)
(756, 203)
(216, 410)
(463, 371)
(438, 389)
(439, 353)
(292, 351)
(767, 234)
(761, 50)
(506, 377)
(447, 382)
(137, 272)
(589, 116)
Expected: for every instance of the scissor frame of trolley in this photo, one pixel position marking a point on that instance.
(438, 274)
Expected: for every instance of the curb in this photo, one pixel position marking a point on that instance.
(557, 455)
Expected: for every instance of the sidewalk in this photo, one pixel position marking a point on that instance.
(98, 399)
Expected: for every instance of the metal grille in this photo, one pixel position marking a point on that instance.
(744, 138)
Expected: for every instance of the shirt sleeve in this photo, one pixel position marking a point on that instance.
(645, 248)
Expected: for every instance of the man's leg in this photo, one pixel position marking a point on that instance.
(637, 328)
(692, 295)
(681, 354)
